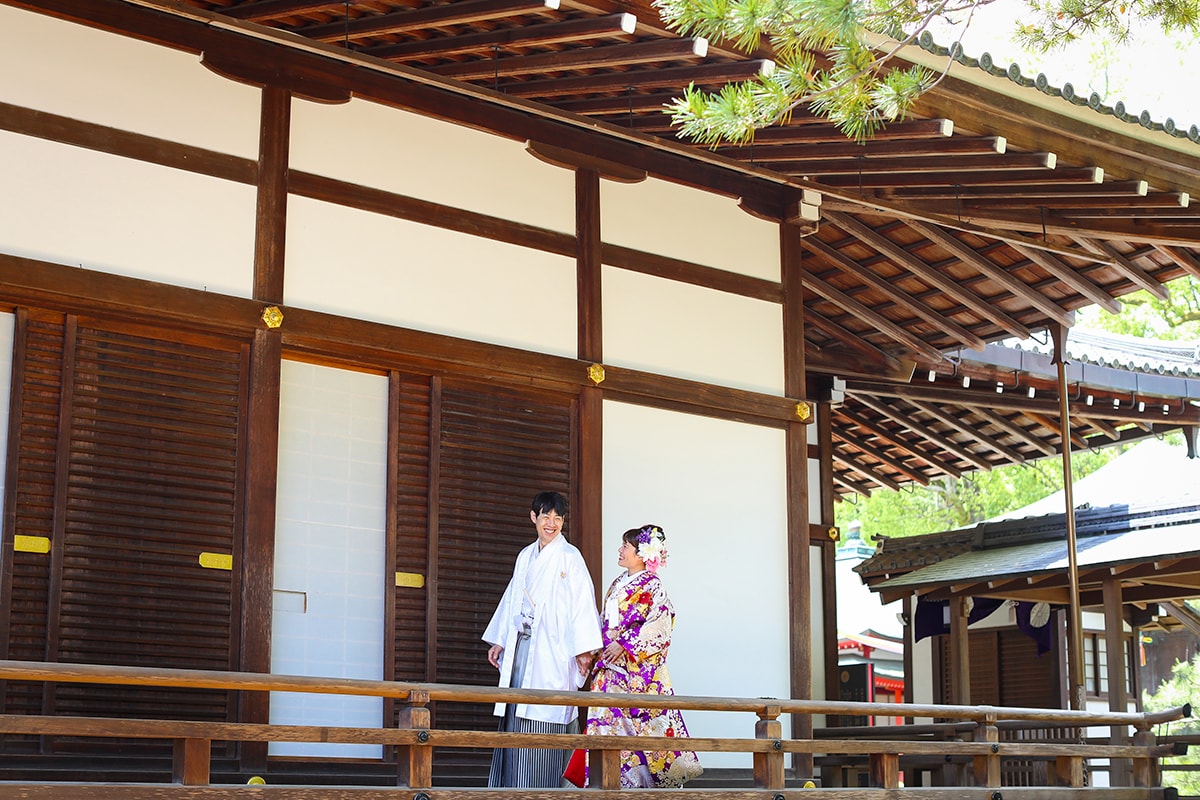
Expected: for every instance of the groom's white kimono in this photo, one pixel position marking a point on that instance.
(565, 623)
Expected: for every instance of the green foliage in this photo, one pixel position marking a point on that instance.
(956, 503)
(836, 56)
(1182, 687)
(1143, 314)
(1056, 23)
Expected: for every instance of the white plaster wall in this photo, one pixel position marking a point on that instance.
(87, 74)
(408, 154)
(7, 325)
(814, 484)
(687, 331)
(672, 220)
(374, 267)
(116, 215)
(717, 488)
(329, 553)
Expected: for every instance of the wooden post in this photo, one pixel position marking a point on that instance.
(960, 650)
(414, 763)
(799, 549)
(1075, 669)
(1147, 769)
(191, 761)
(1118, 696)
(885, 770)
(604, 769)
(987, 767)
(1065, 771)
(768, 767)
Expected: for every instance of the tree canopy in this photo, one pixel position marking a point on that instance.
(838, 56)
(956, 503)
(1182, 687)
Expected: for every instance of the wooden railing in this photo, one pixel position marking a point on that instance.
(415, 741)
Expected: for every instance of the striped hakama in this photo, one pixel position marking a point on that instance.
(527, 768)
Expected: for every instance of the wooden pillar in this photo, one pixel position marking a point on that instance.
(960, 653)
(588, 516)
(1118, 695)
(833, 685)
(796, 437)
(910, 645)
(262, 418)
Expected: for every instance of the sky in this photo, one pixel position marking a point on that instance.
(1150, 73)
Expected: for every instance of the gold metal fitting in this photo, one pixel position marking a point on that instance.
(596, 373)
(834, 533)
(804, 411)
(272, 316)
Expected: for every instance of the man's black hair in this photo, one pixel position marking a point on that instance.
(544, 502)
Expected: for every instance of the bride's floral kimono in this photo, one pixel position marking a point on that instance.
(638, 614)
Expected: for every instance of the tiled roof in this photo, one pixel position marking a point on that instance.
(1066, 91)
(1179, 358)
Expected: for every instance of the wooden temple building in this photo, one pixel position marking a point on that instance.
(302, 301)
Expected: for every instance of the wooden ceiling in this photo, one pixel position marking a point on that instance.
(995, 211)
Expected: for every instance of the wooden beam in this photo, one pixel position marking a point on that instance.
(617, 55)
(1070, 278)
(259, 10)
(959, 424)
(824, 132)
(858, 466)
(906, 260)
(908, 421)
(880, 455)
(624, 103)
(1102, 426)
(570, 159)
(1189, 262)
(874, 319)
(463, 12)
(894, 439)
(853, 486)
(1016, 402)
(1012, 428)
(611, 26)
(976, 261)
(818, 170)
(889, 288)
(717, 74)
(1125, 266)
(902, 150)
(1068, 206)
(1051, 425)
(1076, 192)
(896, 185)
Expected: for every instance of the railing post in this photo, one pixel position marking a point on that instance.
(414, 763)
(1147, 769)
(768, 767)
(191, 760)
(885, 770)
(987, 767)
(604, 769)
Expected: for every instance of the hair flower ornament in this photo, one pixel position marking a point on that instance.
(652, 547)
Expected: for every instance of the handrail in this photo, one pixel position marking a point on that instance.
(414, 740)
(253, 681)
